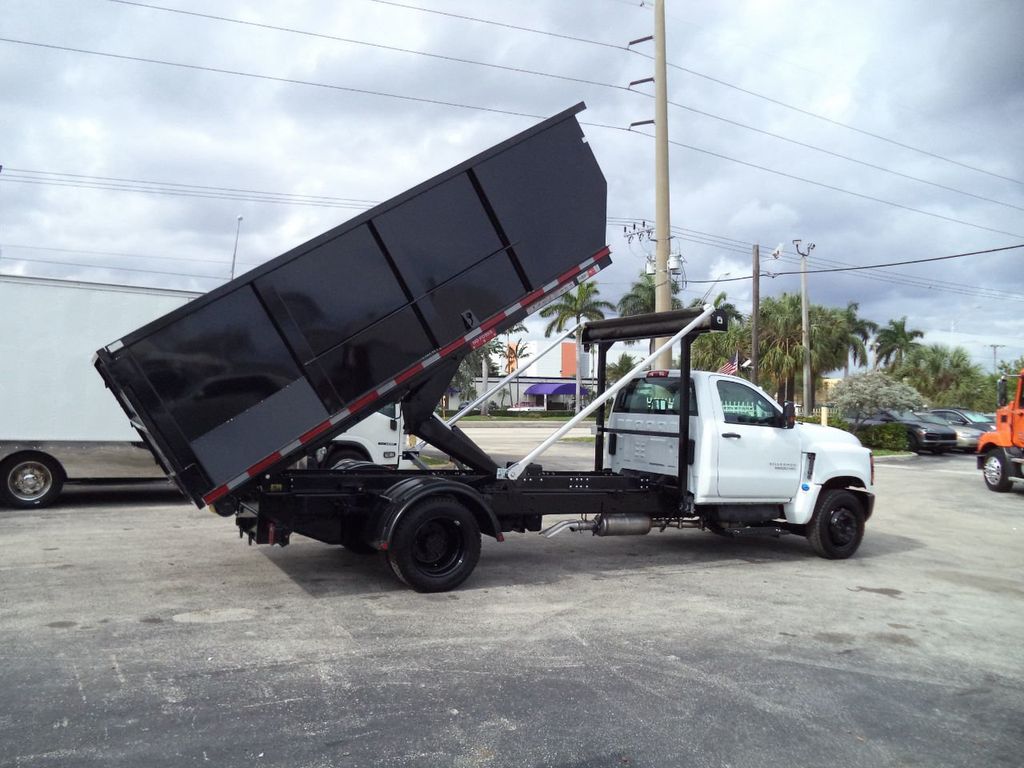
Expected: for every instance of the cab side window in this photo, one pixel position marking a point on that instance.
(743, 405)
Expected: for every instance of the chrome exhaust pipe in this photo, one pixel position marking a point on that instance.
(627, 524)
(569, 525)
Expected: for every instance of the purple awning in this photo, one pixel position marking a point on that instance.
(553, 389)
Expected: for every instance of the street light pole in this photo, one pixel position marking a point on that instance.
(805, 325)
(234, 251)
(994, 348)
(755, 357)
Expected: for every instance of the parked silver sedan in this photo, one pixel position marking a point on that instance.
(969, 425)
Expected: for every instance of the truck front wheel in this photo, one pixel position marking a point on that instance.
(30, 480)
(996, 471)
(435, 545)
(837, 527)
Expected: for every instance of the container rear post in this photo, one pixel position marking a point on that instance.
(683, 450)
(602, 378)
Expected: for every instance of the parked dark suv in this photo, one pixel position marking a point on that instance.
(925, 432)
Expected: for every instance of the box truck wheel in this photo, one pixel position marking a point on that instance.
(30, 480)
(837, 527)
(341, 453)
(435, 545)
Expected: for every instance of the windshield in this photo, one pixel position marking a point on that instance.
(903, 415)
(929, 418)
(977, 418)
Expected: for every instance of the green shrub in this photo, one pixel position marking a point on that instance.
(833, 421)
(888, 437)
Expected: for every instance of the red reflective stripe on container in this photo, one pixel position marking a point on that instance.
(215, 494)
(444, 352)
(317, 430)
(494, 320)
(408, 373)
(482, 339)
(532, 297)
(566, 276)
(272, 459)
(363, 401)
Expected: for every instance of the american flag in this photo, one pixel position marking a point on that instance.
(731, 365)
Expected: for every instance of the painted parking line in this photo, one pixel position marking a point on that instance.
(916, 468)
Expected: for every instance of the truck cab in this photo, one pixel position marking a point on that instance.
(377, 439)
(746, 452)
(1001, 451)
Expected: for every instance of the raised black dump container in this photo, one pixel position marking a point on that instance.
(256, 372)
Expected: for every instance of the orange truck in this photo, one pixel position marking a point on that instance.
(1001, 453)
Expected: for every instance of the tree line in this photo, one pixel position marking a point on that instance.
(841, 340)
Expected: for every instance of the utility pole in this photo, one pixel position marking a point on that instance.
(805, 325)
(662, 280)
(994, 348)
(756, 295)
(234, 251)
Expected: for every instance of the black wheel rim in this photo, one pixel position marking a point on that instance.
(842, 527)
(438, 548)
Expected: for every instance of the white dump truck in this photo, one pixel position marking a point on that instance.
(231, 388)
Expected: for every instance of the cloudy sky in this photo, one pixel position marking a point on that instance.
(133, 136)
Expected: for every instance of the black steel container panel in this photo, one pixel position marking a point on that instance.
(248, 375)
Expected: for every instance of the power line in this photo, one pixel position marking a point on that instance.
(837, 189)
(104, 253)
(742, 247)
(495, 111)
(271, 78)
(502, 24)
(176, 192)
(539, 73)
(380, 46)
(122, 269)
(870, 266)
(190, 186)
(841, 156)
(847, 126)
(710, 78)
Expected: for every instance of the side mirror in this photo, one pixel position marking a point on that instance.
(1001, 391)
(789, 415)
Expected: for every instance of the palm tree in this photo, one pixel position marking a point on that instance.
(639, 299)
(859, 330)
(618, 369)
(578, 305)
(722, 304)
(894, 342)
(782, 342)
(940, 373)
(581, 304)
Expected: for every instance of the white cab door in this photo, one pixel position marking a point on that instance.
(757, 457)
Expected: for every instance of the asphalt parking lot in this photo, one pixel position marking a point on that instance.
(138, 631)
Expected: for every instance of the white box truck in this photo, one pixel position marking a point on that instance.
(59, 425)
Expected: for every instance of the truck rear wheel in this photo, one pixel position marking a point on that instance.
(30, 480)
(435, 546)
(996, 471)
(837, 527)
